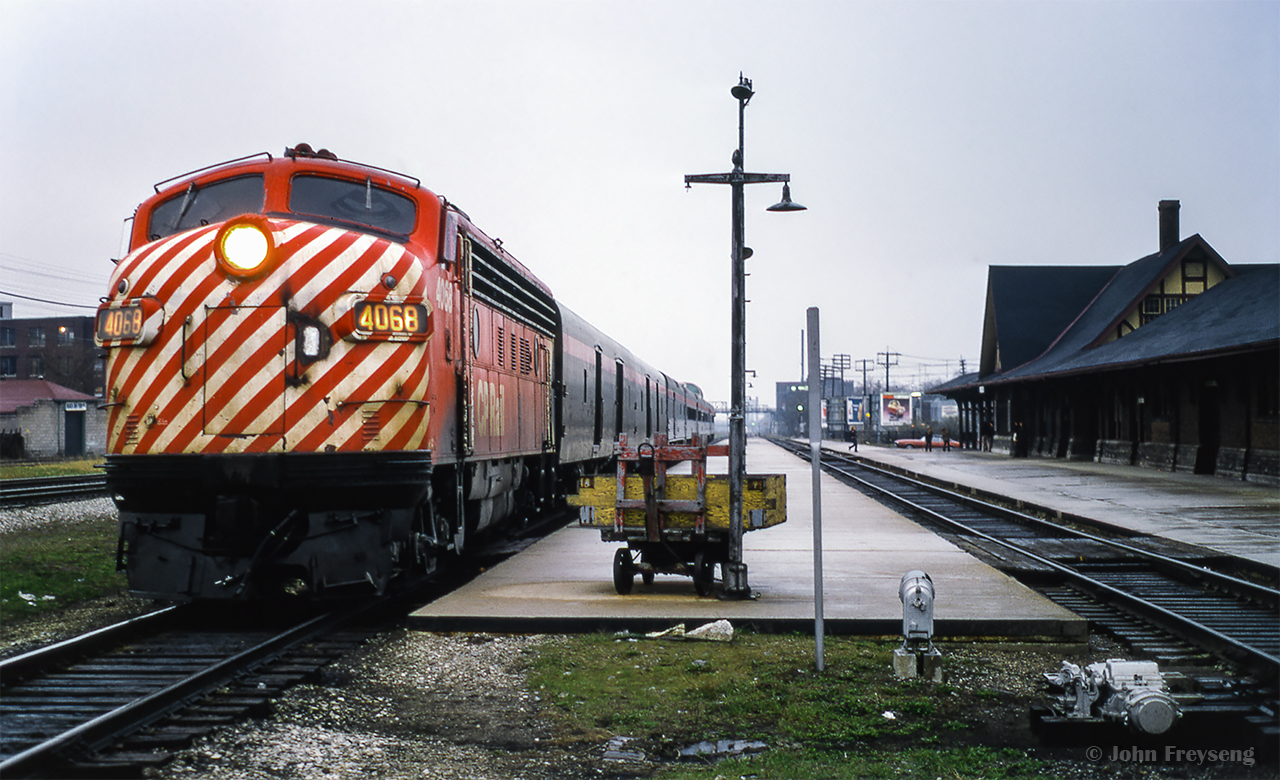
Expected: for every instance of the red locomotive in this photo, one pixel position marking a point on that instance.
(321, 372)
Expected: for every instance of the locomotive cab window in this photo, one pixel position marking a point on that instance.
(202, 205)
(353, 202)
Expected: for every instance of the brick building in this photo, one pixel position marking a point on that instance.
(59, 349)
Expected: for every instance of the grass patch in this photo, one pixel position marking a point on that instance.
(50, 468)
(70, 561)
(853, 720)
(922, 763)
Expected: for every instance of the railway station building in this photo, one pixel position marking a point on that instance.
(1170, 362)
(40, 419)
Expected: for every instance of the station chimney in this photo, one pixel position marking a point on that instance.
(1168, 223)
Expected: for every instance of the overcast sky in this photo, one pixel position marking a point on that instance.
(929, 140)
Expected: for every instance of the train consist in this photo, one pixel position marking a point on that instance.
(323, 376)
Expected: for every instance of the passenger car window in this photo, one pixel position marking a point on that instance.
(357, 202)
(213, 202)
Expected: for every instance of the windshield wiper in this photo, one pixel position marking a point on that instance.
(187, 200)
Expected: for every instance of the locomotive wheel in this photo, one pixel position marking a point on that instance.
(623, 572)
(703, 574)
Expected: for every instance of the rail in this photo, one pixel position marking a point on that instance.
(136, 685)
(44, 490)
(1228, 616)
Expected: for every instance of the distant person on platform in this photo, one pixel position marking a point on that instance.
(946, 440)
(853, 438)
(928, 439)
(988, 433)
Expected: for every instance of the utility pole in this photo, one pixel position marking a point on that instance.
(890, 359)
(841, 362)
(863, 366)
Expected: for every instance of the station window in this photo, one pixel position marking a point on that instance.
(1194, 277)
(36, 368)
(35, 337)
(9, 366)
(8, 337)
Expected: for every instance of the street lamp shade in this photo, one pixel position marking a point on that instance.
(742, 91)
(786, 204)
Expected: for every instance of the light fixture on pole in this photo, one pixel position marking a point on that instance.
(735, 571)
(786, 204)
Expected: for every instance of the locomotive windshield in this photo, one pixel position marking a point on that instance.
(214, 202)
(357, 202)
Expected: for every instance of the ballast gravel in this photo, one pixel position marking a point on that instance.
(412, 705)
(17, 518)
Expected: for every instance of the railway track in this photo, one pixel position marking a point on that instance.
(44, 490)
(119, 699)
(1176, 608)
(124, 697)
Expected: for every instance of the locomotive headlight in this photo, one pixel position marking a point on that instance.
(244, 245)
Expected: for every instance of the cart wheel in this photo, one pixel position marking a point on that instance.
(703, 574)
(647, 577)
(623, 573)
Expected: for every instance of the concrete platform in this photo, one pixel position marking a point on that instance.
(1226, 516)
(564, 583)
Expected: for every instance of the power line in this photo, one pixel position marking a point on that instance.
(80, 278)
(42, 300)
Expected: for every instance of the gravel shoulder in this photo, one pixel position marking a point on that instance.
(410, 705)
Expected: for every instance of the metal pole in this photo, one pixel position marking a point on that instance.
(735, 571)
(815, 459)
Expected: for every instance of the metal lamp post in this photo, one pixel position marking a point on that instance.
(735, 571)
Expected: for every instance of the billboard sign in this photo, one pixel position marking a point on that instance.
(895, 410)
(853, 411)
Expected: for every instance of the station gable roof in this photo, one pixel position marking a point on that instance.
(1048, 320)
(1238, 314)
(1028, 306)
(17, 393)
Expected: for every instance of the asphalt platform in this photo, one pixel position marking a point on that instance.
(1226, 516)
(564, 583)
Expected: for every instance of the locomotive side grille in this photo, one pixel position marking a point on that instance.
(502, 346)
(371, 425)
(526, 356)
(501, 286)
(130, 432)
